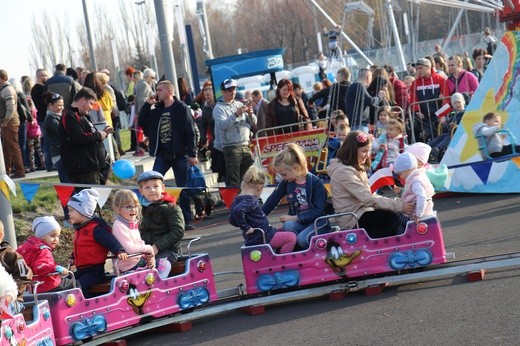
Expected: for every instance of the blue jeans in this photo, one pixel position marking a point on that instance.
(304, 232)
(180, 166)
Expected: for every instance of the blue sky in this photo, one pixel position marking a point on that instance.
(17, 15)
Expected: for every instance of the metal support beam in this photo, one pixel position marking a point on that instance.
(397, 40)
(165, 39)
(93, 64)
(313, 2)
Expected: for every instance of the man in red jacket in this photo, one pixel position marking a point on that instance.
(427, 96)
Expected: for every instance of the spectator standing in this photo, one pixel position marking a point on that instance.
(24, 114)
(402, 97)
(440, 66)
(51, 124)
(142, 90)
(320, 98)
(10, 124)
(460, 80)
(120, 106)
(81, 145)
(172, 139)
(260, 109)
(481, 59)
(427, 91)
(338, 91)
(358, 100)
(62, 84)
(184, 93)
(300, 93)
(96, 113)
(286, 109)
(233, 123)
(491, 40)
(218, 164)
(323, 64)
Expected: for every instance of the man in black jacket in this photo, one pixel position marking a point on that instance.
(82, 152)
(171, 135)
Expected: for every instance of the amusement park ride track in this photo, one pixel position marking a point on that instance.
(234, 299)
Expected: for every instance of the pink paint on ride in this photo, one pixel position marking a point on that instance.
(140, 301)
(36, 330)
(344, 254)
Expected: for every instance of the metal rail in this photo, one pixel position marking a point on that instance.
(428, 274)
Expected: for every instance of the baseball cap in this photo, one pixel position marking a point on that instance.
(423, 62)
(228, 83)
(149, 175)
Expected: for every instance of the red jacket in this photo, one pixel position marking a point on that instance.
(38, 257)
(92, 242)
(426, 89)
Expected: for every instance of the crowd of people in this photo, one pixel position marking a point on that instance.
(370, 122)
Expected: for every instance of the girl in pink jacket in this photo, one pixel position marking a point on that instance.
(125, 229)
(417, 188)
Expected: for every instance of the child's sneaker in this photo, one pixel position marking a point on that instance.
(163, 267)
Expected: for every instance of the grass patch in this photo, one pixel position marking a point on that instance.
(46, 202)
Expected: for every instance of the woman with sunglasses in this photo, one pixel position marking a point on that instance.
(54, 103)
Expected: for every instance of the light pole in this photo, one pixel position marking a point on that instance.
(93, 64)
(149, 36)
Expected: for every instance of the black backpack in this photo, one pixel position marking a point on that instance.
(120, 99)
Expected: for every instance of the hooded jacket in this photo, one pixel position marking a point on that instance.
(425, 89)
(38, 257)
(182, 127)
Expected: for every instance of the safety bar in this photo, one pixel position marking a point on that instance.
(326, 217)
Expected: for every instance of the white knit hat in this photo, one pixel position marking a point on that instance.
(404, 162)
(85, 202)
(44, 225)
(457, 97)
(420, 150)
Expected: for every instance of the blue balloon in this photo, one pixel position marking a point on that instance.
(124, 169)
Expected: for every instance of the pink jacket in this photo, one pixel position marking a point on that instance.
(466, 83)
(33, 129)
(424, 204)
(128, 236)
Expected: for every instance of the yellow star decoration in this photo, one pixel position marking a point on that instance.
(474, 116)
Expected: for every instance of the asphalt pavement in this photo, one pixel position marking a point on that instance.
(442, 312)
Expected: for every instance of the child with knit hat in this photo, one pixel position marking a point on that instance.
(37, 253)
(447, 124)
(417, 188)
(93, 240)
(421, 151)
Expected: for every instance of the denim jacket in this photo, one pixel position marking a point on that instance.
(316, 197)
